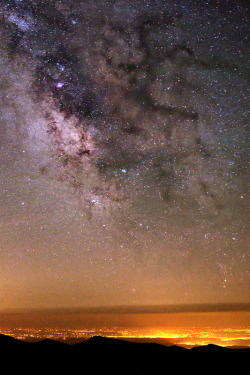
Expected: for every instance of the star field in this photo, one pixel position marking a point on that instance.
(123, 142)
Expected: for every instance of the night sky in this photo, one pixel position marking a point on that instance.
(123, 144)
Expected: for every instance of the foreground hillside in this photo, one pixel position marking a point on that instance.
(101, 355)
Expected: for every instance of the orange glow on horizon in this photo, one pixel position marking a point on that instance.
(188, 330)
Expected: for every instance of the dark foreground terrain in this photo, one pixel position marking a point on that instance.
(101, 355)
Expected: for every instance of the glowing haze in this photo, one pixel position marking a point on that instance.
(123, 141)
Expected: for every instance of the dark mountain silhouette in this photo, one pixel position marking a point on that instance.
(100, 355)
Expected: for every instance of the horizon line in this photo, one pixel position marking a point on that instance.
(139, 309)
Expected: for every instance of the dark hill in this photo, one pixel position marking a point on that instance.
(100, 355)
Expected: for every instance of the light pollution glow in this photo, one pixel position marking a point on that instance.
(123, 169)
(183, 329)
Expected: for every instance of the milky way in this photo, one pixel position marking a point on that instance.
(123, 152)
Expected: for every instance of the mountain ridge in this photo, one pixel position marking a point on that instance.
(114, 356)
